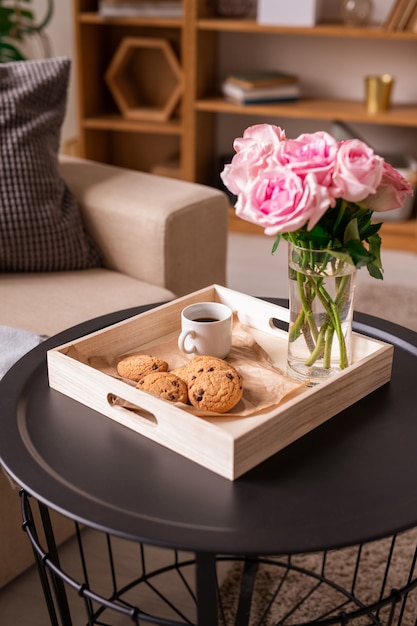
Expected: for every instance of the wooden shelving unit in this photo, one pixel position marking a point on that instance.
(187, 137)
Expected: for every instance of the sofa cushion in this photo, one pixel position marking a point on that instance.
(40, 223)
(47, 303)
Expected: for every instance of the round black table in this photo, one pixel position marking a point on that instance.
(351, 480)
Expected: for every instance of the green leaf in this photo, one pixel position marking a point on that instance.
(361, 257)
(9, 14)
(374, 271)
(276, 243)
(8, 53)
(317, 238)
(370, 230)
(375, 249)
(15, 24)
(6, 12)
(341, 255)
(351, 231)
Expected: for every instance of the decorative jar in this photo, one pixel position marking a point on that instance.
(356, 12)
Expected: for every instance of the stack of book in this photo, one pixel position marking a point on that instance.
(402, 16)
(261, 87)
(140, 8)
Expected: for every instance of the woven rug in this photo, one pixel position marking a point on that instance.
(393, 303)
(319, 587)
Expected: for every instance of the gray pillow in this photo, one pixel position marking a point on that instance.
(40, 223)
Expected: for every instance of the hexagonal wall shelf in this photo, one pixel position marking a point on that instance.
(145, 78)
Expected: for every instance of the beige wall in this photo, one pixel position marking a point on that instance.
(60, 33)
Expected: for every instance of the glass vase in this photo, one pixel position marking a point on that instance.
(321, 291)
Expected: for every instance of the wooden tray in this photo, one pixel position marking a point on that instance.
(228, 446)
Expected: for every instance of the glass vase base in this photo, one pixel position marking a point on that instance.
(311, 374)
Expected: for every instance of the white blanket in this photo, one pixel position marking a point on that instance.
(14, 343)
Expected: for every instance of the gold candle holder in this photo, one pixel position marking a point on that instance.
(378, 92)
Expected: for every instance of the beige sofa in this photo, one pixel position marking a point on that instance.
(160, 238)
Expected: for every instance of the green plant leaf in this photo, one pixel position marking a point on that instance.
(374, 271)
(351, 231)
(361, 257)
(8, 53)
(276, 243)
(16, 21)
(375, 249)
(342, 255)
(8, 15)
(370, 230)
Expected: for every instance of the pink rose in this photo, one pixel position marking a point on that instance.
(392, 191)
(280, 201)
(285, 185)
(235, 175)
(253, 151)
(358, 171)
(266, 137)
(314, 153)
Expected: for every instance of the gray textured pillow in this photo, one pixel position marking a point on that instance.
(40, 223)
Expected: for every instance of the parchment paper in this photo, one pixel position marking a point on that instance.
(265, 386)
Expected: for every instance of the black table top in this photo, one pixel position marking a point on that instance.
(352, 479)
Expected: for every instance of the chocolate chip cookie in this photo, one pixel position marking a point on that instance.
(165, 385)
(199, 364)
(135, 366)
(215, 389)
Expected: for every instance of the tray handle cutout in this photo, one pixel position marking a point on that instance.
(118, 403)
(275, 324)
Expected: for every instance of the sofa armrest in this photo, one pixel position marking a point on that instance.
(163, 231)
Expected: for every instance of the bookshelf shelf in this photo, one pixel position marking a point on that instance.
(188, 137)
(92, 17)
(317, 109)
(321, 30)
(115, 122)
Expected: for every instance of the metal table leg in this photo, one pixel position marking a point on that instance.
(57, 591)
(206, 581)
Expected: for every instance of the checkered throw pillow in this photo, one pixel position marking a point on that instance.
(40, 223)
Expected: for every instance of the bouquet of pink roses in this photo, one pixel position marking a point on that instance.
(314, 191)
(318, 194)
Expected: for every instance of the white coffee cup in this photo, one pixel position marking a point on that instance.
(206, 329)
